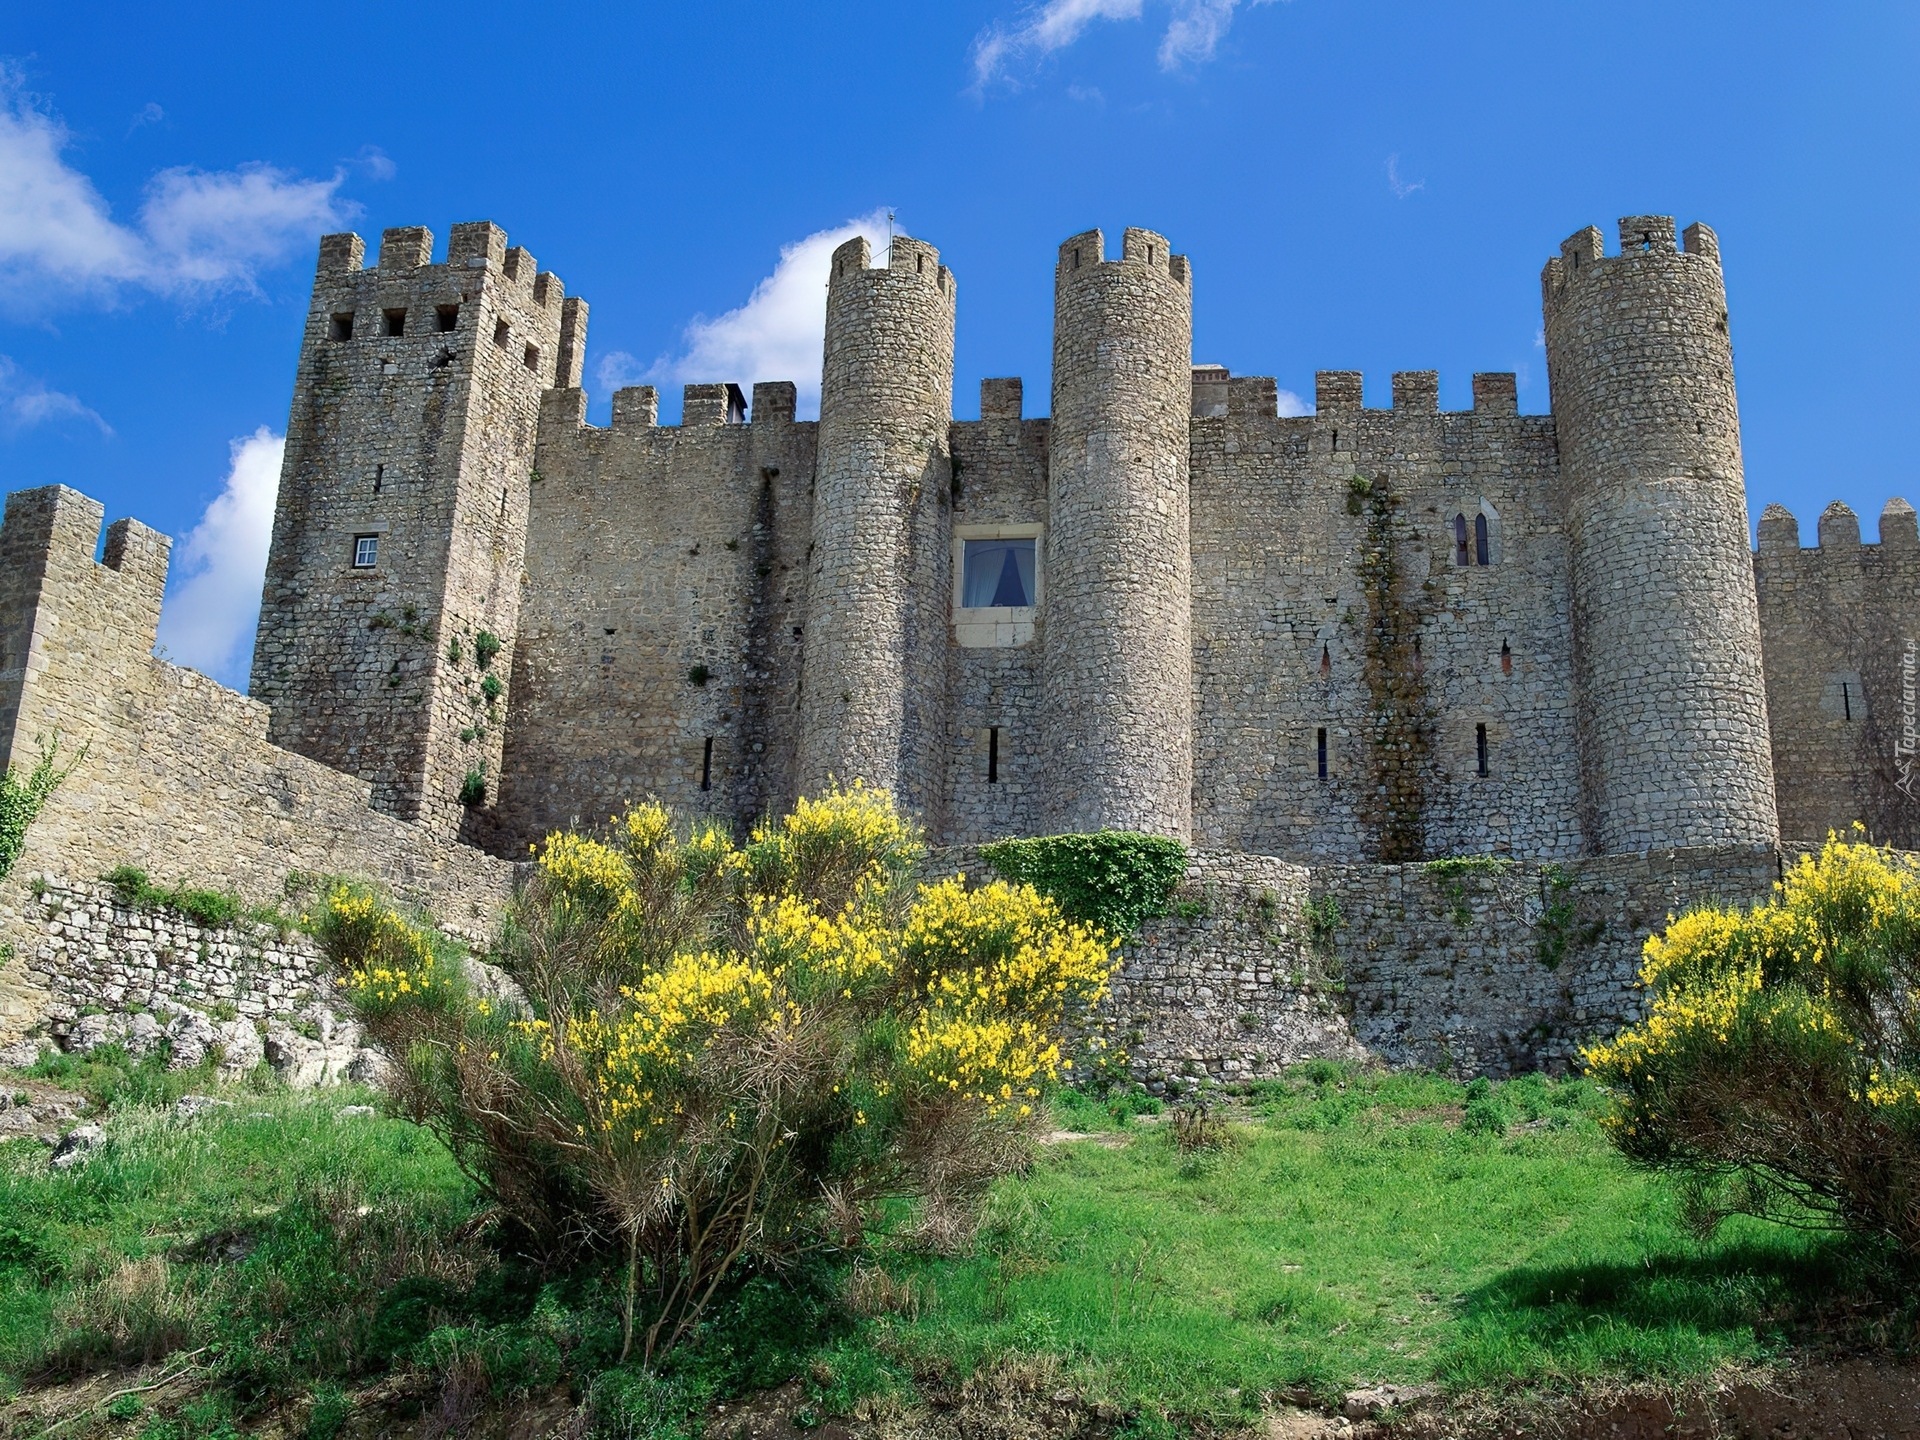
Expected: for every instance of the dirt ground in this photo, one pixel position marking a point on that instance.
(1847, 1400)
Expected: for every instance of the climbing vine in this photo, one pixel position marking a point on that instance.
(1400, 715)
(1452, 874)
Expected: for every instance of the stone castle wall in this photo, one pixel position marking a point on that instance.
(178, 777)
(1840, 632)
(1481, 972)
(996, 782)
(1287, 601)
(656, 552)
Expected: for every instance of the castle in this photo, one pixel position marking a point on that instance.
(1384, 634)
(1321, 649)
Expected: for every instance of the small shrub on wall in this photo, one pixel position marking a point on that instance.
(1778, 1070)
(1112, 878)
(734, 1054)
(21, 797)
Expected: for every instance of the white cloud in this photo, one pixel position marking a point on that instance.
(1292, 404)
(776, 335)
(617, 370)
(150, 114)
(1401, 188)
(377, 163)
(26, 402)
(197, 232)
(1194, 30)
(213, 602)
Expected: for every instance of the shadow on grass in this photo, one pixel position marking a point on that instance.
(1677, 1315)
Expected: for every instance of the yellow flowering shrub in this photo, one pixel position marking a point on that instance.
(1778, 1064)
(737, 1050)
(386, 960)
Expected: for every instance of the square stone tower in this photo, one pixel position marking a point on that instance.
(393, 582)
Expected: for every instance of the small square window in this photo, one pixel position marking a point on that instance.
(502, 333)
(366, 551)
(396, 321)
(340, 327)
(446, 318)
(998, 573)
(532, 358)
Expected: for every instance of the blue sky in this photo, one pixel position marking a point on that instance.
(1360, 186)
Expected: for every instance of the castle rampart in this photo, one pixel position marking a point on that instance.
(676, 677)
(1840, 634)
(175, 774)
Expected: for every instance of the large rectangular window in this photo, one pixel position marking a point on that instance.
(998, 573)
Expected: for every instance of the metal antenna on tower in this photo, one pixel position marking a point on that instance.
(889, 237)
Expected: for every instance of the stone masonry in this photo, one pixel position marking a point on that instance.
(1326, 649)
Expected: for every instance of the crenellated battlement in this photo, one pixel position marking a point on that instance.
(54, 593)
(1641, 237)
(907, 258)
(1142, 249)
(1415, 392)
(1838, 532)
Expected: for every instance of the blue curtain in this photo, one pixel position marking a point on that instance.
(997, 572)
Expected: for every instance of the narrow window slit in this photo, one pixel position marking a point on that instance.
(1480, 546)
(1846, 700)
(1460, 553)
(1322, 743)
(1326, 663)
(993, 755)
(379, 474)
(1506, 659)
(1480, 746)
(706, 766)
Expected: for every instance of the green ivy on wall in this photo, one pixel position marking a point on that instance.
(1112, 878)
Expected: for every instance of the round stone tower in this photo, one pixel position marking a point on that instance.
(1670, 696)
(1117, 684)
(873, 673)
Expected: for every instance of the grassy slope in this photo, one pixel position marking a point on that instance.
(1353, 1231)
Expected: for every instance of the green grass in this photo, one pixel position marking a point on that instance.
(1349, 1228)
(1354, 1231)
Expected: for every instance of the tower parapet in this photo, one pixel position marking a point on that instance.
(873, 672)
(1666, 632)
(401, 524)
(1117, 688)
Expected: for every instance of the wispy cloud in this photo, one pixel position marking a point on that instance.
(26, 402)
(1006, 50)
(213, 602)
(377, 163)
(775, 335)
(150, 114)
(1401, 188)
(197, 232)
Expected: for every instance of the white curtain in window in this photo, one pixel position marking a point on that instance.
(997, 572)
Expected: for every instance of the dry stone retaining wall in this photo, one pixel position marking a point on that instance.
(1479, 971)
